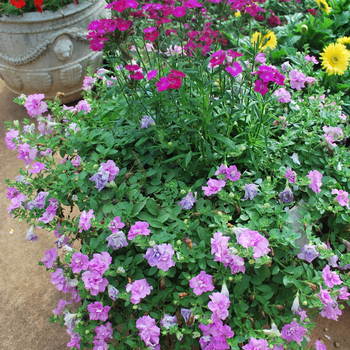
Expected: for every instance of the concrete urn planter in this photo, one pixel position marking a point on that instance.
(48, 52)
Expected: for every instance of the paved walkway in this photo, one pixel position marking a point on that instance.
(27, 297)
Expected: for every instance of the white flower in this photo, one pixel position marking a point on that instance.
(295, 158)
(224, 290)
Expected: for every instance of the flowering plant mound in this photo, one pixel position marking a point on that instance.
(18, 7)
(204, 183)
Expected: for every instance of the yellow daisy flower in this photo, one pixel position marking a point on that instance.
(237, 14)
(269, 41)
(335, 58)
(323, 5)
(345, 40)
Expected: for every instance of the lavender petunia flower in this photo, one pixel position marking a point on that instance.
(88, 83)
(100, 178)
(168, 321)
(148, 331)
(343, 294)
(79, 262)
(97, 311)
(30, 235)
(219, 305)
(161, 256)
(147, 121)
(116, 224)
(49, 258)
(331, 278)
(26, 153)
(325, 297)
(219, 245)
(297, 79)
(214, 186)
(296, 305)
(85, 219)
(139, 289)
(9, 136)
(188, 201)
(291, 176)
(332, 261)
(12, 192)
(293, 332)
(250, 191)
(342, 197)
(104, 332)
(286, 196)
(201, 283)
(94, 281)
(186, 313)
(139, 228)
(319, 345)
(40, 199)
(256, 344)
(254, 239)
(117, 240)
(331, 311)
(46, 217)
(100, 262)
(34, 105)
(112, 169)
(316, 180)
(36, 168)
(31, 205)
(113, 292)
(82, 105)
(308, 253)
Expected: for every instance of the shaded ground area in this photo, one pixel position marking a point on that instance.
(27, 296)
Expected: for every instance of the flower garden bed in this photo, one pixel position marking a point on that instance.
(209, 163)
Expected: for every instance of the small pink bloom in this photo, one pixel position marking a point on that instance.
(235, 70)
(152, 74)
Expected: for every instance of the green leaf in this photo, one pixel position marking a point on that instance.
(226, 141)
(152, 206)
(137, 208)
(188, 158)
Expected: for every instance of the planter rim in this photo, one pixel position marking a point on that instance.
(36, 17)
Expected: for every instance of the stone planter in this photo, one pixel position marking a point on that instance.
(48, 52)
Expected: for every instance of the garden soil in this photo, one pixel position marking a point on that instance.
(27, 297)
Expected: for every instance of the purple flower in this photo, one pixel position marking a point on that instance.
(314, 61)
(186, 313)
(286, 196)
(219, 245)
(100, 262)
(97, 311)
(9, 136)
(325, 297)
(79, 262)
(230, 172)
(219, 305)
(83, 105)
(116, 224)
(331, 311)
(201, 283)
(117, 240)
(113, 292)
(112, 169)
(53, 205)
(61, 282)
(88, 83)
(214, 186)
(283, 95)
(74, 339)
(12, 192)
(148, 331)
(316, 180)
(319, 345)
(235, 262)
(94, 281)
(49, 258)
(85, 218)
(260, 58)
(146, 121)
(188, 201)
(297, 79)
(31, 205)
(139, 228)
(104, 332)
(40, 199)
(285, 66)
(254, 239)
(250, 191)
(100, 345)
(60, 306)
(308, 253)
(100, 178)
(343, 294)
(139, 290)
(293, 332)
(34, 105)
(342, 197)
(331, 278)
(168, 321)
(76, 162)
(26, 153)
(255, 344)
(335, 131)
(16, 202)
(291, 175)
(332, 261)
(47, 217)
(30, 236)
(161, 256)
